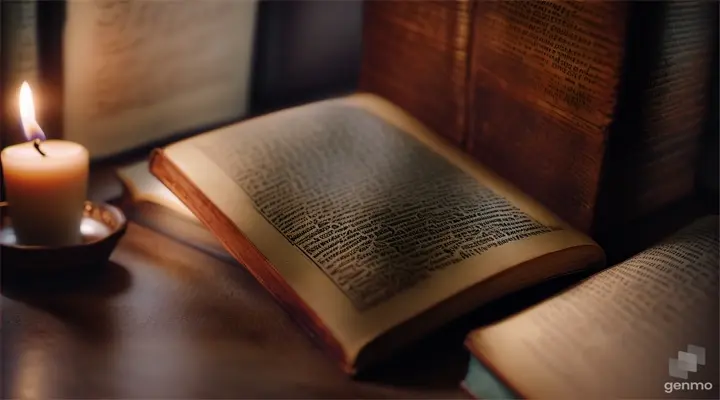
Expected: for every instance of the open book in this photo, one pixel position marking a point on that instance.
(366, 227)
(646, 328)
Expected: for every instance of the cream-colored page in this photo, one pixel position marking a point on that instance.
(137, 71)
(377, 226)
(146, 187)
(618, 334)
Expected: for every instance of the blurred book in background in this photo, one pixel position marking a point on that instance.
(113, 75)
(595, 109)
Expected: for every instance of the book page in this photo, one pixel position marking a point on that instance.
(621, 333)
(146, 187)
(138, 71)
(370, 225)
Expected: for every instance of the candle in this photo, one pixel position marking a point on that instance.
(45, 183)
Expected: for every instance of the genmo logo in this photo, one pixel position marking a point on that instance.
(686, 386)
(686, 361)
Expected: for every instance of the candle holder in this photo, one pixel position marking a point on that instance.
(101, 228)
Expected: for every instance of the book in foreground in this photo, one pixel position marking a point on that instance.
(149, 203)
(646, 328)
(366, 227)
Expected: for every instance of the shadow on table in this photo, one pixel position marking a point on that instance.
(103, 282)
(439, 361)
(52, 327)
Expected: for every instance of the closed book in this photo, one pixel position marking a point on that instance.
(595, 109)
(117, 74)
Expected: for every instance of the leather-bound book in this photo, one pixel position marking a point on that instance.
(593, 108)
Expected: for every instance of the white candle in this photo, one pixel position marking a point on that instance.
(45, 186)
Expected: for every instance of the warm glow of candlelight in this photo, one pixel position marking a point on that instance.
(27, 105)
(27, 114)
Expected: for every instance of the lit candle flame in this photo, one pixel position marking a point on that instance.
(27, 114)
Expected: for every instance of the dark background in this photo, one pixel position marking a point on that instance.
(304, 51)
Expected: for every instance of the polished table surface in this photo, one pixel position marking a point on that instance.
(166, 321)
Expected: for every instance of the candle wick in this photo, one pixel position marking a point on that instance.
(36, 143)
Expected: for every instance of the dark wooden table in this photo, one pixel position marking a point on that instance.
(167, 321)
